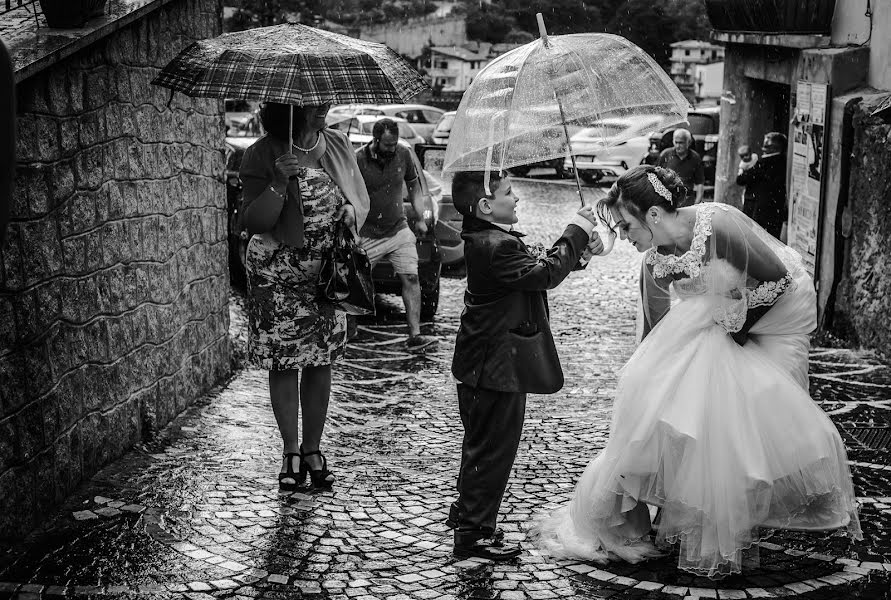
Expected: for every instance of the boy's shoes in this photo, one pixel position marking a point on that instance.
(418, 343)
(488, 548)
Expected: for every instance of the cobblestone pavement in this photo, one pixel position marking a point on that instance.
(196, 513)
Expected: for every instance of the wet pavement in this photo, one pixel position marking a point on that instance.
(196, 512)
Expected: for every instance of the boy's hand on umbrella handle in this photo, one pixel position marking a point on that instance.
(287, 165)
(587, 212)
(347, 214)
(595, 245)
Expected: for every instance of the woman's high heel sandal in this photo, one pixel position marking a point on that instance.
(289, 486)
(319, 477)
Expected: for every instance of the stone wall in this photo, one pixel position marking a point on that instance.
(113, 278)
(863, 301)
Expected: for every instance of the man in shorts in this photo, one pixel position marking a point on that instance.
(385, 165)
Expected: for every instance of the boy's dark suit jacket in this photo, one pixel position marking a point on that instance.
(504, 326)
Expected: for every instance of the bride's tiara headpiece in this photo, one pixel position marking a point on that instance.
(659, 187)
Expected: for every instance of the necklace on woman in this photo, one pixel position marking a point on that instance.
(314, 146)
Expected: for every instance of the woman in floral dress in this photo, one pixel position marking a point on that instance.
(293, 201)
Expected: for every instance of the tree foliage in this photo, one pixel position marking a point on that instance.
(651, 24)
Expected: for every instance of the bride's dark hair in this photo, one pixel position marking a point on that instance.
(637, 194)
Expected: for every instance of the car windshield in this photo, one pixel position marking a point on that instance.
(405, 130)
(603, 130)
(701, 125)
(445, 125)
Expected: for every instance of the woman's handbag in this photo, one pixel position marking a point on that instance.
(345, 275)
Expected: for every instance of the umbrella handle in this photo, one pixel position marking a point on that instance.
(290, 129)
(575, 170)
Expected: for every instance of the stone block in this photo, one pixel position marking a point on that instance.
(62, 182)
(16, 514)
(75, 90)
(49, 301)
(28, 425)
(91, 128)
(12, 278)
(69, 136)
(9, 454)
(73, 255)
(42, 250)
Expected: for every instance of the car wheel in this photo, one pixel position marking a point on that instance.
(590, 176)
(429, 301)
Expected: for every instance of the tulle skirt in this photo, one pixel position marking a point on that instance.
(724, 438)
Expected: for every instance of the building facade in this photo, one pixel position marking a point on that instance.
(810, 85)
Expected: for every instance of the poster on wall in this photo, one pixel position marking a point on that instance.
(808, 163)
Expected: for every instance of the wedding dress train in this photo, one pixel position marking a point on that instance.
(724, 438)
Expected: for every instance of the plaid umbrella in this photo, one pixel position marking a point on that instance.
(292, 64)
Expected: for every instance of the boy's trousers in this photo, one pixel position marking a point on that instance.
(493, 423)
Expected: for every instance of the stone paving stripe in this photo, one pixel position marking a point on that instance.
(601, 575)
(107, 511)
(861, 570)
(703, 593)
(55, 590)
(759, 593)
(731, 594)
(581, 568)
(199, 586)
(626, 581)
(84, 515)
(649, 586)
(823, 557)
(675, 590)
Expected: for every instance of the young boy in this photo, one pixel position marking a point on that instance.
(504, 348)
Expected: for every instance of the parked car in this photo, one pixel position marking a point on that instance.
(704, 124)
(421, 117)
(611, 146)
(385, 279)
(443, 128)
(448, 221)
(359, 128)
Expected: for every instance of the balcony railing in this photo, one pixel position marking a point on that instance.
(771, 16)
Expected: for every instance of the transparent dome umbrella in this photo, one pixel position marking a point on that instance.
(519, 108)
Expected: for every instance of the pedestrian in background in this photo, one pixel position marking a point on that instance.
(386, 167)
(686, 162)
(292, 204)
(747, 160)
(765, 181)
(504, 348)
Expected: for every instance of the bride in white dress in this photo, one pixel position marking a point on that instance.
(712, 420)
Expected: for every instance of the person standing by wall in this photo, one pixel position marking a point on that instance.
(386, 166)
(686, 162)
(765, 182)
(293, 200)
